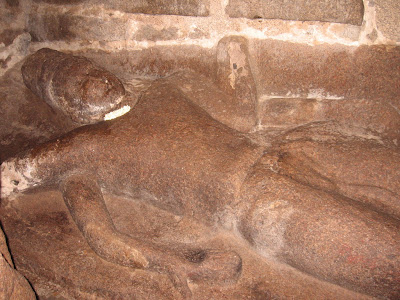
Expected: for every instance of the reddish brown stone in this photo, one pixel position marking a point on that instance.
(12, 284)
(339, 11)
(174, 155)
(26, 120)
(155, 62)
(287, 112)
(365, 72)
(169, 152)
(163, 7)
(221, 106)
(7, 36)
(334, 158)
(387, 18)
(152, 7)
(13, 2)
(380, 118)
(72, 85)
(234, 75)
(49, 26)
(149, 33)
(51, 252)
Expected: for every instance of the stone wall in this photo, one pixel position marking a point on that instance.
(309, 60)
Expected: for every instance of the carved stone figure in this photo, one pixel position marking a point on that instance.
(319, 199)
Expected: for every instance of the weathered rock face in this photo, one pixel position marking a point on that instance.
(339, 11)
(152, 7)
(314, 84)
(288, 201)
(12, 284)
(72, 85)
(26, 120)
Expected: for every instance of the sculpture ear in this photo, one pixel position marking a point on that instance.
(73, 85)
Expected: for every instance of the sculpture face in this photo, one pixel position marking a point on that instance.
(171, 153)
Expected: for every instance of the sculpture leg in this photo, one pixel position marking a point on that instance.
(326, 235)
(85, 202)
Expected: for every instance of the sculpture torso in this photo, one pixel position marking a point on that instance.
(167, 150)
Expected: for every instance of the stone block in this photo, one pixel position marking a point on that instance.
(338, 11)
(388, 18)
(220, 105)
(162, 7)
(157, 61)
(12, 284)
(150, 33)
(49, 26)
(379, 118)
(152, 7)
(287, 112)
(234, 75)
(285, 69)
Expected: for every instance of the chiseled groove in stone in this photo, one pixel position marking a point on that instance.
(338, 11)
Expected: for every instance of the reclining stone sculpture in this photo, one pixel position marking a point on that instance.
(317, 204)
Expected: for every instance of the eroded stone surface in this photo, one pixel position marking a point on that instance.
(155, 62)
(283, 199)
(183, 161)
(26, 119)
(12, 284)
(152, 7)
(72, 85)
(327, 72)
(340, 11)
(387, 18)
(284, 113)
(70, 269)
(234, 75)
(223, 107)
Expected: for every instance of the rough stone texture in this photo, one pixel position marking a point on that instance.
(327, 72)
(380, 118)
(152, 7)
(221, 106)
(72, 85)
(234, 75)
(339, 11)
(174, 156)
(13, 286)
(14, 52)
(7, 36)
(26, 120)
(59, 26)
(287, 112)
(48, 232)
(163, 7)
(10, 19)
(388, 18)
(334, 170)
(14, 41)
(94, 23)
(155, 62)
